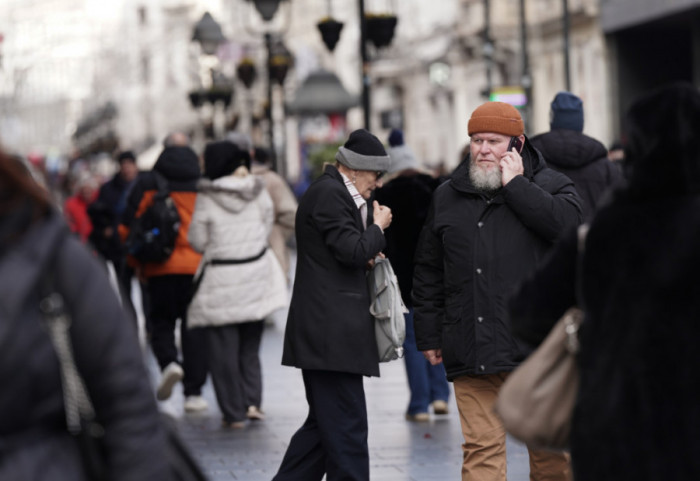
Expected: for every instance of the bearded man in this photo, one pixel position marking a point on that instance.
(487, 229)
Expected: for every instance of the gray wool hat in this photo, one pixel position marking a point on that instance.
(363, 151)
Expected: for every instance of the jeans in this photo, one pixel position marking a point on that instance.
(426, 382)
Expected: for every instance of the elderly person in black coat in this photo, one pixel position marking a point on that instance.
(330, 332)
(486, 231)
(638, 410)
(35, 245)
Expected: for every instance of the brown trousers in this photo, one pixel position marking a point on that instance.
(484, 447)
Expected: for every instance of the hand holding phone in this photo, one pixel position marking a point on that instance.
(515, 142)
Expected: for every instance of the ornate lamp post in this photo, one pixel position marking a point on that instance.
(215, 88)
(377, 28)
(278, 62)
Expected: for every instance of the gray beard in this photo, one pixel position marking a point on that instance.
(484, 180)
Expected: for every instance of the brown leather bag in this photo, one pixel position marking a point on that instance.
(536, 402)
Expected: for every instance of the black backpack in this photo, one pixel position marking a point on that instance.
(152, 235)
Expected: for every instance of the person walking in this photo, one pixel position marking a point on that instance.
(638, 389)
(407, 192)
(75, 208)
(169, 283)
(239, 280)
(487, 228)
(330, 332)
(568, 150)
(285, 204)
(105, 213)
(38, 257)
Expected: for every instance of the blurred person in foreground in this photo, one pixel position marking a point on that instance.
(637, 415)
(169, 283)
(330, 331)
(581, 158)
(35, 245)
(240, 281)
(407, 192)
(487, 229)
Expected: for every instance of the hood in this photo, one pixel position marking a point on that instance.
(568, 148)
(178, 163)
(533, 162)
(231, 192)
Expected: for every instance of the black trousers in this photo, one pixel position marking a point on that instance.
(169, 297)
(234, 365)
(333, 439)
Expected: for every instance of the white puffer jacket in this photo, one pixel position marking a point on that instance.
(232, 220)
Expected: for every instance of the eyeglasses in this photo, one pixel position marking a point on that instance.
(378, 175)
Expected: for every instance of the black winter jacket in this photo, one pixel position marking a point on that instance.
(329, 326)
(473, 252)
(582, 159)
(408, 196)
(34, 442)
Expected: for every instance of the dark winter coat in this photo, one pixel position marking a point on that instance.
(329, 326)
(408, 196)
(34, 442)
(180, 167)
(638, 411)
(473, 252)
(582, 159)
(106, 212)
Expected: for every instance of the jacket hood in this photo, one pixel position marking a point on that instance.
(231, 192)
(533, 162)
(178, 163)
(568, 148)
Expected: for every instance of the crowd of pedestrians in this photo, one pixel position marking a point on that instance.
(486, 261)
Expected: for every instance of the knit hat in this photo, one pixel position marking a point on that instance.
(127, 155)
(497, 117)
(402, 156)
(222, 158)
(566, 112)
(363, 151)
(242, 140)
(395, 137)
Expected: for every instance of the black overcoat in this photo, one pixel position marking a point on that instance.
(473, 252)
(329, 326)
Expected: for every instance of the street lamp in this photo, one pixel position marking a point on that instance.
(214, 88)
(266, 8)
(379, 29)
(208, 33)
(279, 60)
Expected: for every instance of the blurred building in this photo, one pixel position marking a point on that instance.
(96, 75)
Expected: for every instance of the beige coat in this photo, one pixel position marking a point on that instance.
(285, 207)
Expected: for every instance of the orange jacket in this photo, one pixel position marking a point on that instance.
(183, 191)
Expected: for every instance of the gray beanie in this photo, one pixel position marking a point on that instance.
(363, 151)
(240, 140)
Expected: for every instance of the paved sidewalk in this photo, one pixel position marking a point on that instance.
(399, 450)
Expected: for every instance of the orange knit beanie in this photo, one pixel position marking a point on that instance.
(496, 117)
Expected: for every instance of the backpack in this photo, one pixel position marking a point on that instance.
(152, 235)
(388, 310)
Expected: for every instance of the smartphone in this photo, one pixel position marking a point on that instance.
(515, 142)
